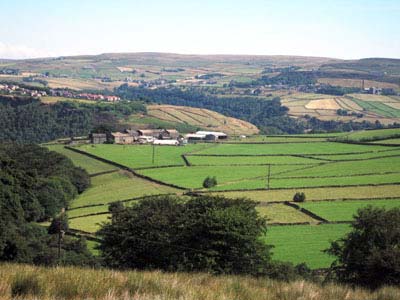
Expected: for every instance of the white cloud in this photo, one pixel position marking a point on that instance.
(21, 52)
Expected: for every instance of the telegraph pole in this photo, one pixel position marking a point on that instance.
(152, 160)
(269, 175)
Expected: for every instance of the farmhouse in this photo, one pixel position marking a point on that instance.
(161, 134)
(122, 138)
(98, 138)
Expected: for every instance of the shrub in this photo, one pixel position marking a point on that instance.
(299, 197)
(369, 255)
(25, 285)
(210, 234)
(209, 182)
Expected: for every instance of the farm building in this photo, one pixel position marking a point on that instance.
(144, 139)
(122, 138)
(206, 136)
(98, 138)
(161, 134)
(166, 142)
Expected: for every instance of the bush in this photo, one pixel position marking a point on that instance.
(369, 255)
(25, 285)
(209, 234)
(209, 182)
(299, 197)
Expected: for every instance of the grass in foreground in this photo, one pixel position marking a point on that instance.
(344, 210)
(78, 283)
(304, 243)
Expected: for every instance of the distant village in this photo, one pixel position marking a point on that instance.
(166, 137)
(16, 90)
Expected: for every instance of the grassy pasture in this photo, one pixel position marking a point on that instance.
(344, 210)
(250, 160)
(289, 149)
(389, 141)
(278, 139)
(304, 182)
(304, 243)
(379, 108)
(89, 224)
(362, 156)
(192, 177)
(52, 100)
(281, 213)
(118, 186)
(92, 166)
(358, 192)
(347, 168)
(140, 156)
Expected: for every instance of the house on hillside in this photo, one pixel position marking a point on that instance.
(122, 138)
(98, 138)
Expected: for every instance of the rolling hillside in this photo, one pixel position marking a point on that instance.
(202, 118)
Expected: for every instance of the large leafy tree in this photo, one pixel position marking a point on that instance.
(206, 233)
(370, 254)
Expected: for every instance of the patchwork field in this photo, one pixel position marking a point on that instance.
(337, 178)
(360, 107)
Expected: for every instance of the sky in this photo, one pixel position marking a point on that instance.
(339, 29)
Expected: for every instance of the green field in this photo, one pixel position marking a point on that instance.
(88, 224)
(312, 194)
(389, 141)
(118, 186)
(378, 108)
(304, 243)
(344, 210)
(141, 156)
(250, 160)
(289, 149)
(322, 170)
(92, 166)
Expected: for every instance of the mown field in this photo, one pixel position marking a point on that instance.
(337, 179)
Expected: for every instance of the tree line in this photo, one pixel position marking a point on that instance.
(35, 185)
(27, 120)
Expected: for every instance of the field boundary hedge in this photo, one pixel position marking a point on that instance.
(306, 211)
(103, 173)
(125, 168)
(122, 201)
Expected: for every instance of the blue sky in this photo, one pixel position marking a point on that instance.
(341, 29)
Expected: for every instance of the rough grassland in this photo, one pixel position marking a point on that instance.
(304, 243)
(281, 213)
(345, 210)
(102, 284)
(359, 192)
(140, 156)
(118, 186)
(92, 166)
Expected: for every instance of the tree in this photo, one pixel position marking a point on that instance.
(210, 234)
(209, 182)
(299, 197)
(370, 254)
